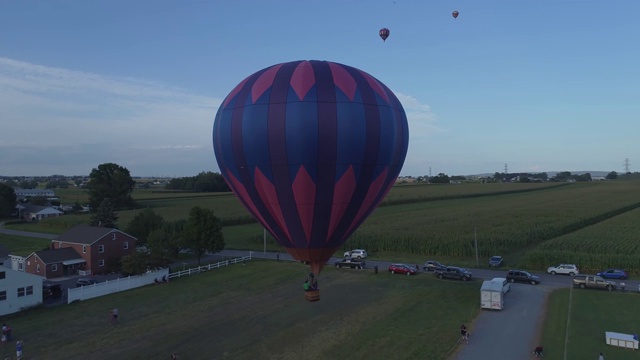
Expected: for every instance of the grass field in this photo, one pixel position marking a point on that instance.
(592, 313)
(257, 311)
(22, 245)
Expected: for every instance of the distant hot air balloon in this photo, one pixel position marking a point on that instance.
(384, 33)
(310, 148)
(455, 14)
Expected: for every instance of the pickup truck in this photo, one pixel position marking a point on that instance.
(593, 282)
(353, 263)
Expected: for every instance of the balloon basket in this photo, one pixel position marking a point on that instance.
(312, 296)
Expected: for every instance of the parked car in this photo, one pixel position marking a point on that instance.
(85, 282)
(453, 272)
(522, 276)
(565, 269)
(350, 263)
(51, 291)
(495, 261)
(431, 265)
(356, 254)
(402, 269)
(614, 274)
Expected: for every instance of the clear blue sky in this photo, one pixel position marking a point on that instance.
(542, 85)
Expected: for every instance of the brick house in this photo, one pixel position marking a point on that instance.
(54, 263)
(95, 249)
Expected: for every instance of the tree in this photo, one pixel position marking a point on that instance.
(166, 242)
(442, 178)
(142, 224)
(203, 232)
(110, 181)
(135, 264)
(104, 216)
(7, 201)
(77, 207)
(612, 175)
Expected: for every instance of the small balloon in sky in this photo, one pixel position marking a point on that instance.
(455, 14)
(384, 33)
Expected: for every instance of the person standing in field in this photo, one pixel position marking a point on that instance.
(19, 349)
(601, 357)
(114, 313)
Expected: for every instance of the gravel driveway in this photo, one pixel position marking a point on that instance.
(510, 333)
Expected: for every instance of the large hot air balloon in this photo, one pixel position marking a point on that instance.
(310, 148)
(384, 34)
(455, 14)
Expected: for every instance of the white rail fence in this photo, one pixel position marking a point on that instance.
(202, 268)
(130, 282)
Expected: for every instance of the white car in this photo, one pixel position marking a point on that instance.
(356, 254)
(565, 269)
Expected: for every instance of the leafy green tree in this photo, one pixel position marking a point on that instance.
(612, 175)
(203, 232)
(77, 207)
(111, 181)
(104, 216)
(38, 200)
(143, 224)
(135, 264)
(442, 178)
(7, 201)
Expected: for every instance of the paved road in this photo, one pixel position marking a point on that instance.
(27, 233)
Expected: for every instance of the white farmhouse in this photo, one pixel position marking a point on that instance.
(18, 290)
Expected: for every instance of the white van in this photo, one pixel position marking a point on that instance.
(491, 295)
(505, 284)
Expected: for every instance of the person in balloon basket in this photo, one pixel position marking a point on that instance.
(311, 283)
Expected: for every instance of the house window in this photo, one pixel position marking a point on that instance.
(29, 290)
(20, 292)
(101, 248)
(3, 274)
(113, 236)
(101, 263)
(125, 245)
(38, 268)
(84, 249)
(3, 295)
(54, 267)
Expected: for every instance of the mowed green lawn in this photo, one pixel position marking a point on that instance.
(22, 245)
(258, 311)
(592, 314)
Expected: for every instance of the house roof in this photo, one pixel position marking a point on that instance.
(34, 209)
(86, 235)
(58, 255)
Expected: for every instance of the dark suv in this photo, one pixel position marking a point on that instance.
(51, 291)
(452, 272)
(522, 276)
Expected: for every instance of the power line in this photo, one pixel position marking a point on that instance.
(626, 165)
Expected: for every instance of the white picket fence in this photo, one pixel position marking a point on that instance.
(130, 282)
(113, 286)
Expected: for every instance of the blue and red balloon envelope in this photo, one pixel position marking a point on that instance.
(310, 148)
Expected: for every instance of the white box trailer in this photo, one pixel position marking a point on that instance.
(491, 295)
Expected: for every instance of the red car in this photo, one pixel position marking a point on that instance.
(402, 269)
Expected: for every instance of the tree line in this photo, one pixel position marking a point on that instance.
(203, 182)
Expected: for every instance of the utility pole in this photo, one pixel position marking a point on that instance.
(429, 171)
(264, 239)
(626, 165)
(506, 169)
(475, 240)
